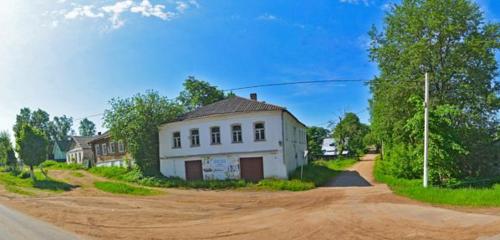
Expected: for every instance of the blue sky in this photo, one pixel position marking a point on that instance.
(71, 57)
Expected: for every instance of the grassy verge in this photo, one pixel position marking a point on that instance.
(475, 197)
(122, 188)
(22, 184)
(314, 174)
(50, 164)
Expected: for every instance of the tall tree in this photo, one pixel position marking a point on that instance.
(60, 128)
(136, 121)
(198, 93)
(451, 41)
(24, 117)
(31, 145)
(87, 128)
(315, 136)
(349, 134)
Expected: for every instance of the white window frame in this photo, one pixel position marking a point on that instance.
(236, 134)
(176, 141)
(112, 146)
(259, 133)
(121, 146)
(195, 138)
(215, 137)
(104, 147)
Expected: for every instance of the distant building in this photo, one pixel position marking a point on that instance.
(232, 139)
(329, 148)
(108, 152)
(80, 151)
(60, 148)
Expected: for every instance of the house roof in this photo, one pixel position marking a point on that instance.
(99, 137)
(233, 104)
(64, 145)
(83, 142)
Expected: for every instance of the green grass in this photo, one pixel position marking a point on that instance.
(50, 164)
(123, 188)
(77, 174)
(475, 197)
(321, 171)
(21, 183)
(315, 174)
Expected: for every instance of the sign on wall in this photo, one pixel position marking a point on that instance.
(220, 169)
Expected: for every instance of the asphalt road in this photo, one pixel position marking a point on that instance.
(18, 226)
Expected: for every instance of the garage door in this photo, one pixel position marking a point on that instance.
(193, 170)
(251, 169)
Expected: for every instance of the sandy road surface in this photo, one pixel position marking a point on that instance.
(338, 212)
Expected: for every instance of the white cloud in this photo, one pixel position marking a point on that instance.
(365, 2)
(267, 17)
(84, 11)
(115, 12)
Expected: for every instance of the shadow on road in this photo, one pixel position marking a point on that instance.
(349, 179)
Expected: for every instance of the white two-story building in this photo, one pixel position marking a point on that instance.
(231, 139)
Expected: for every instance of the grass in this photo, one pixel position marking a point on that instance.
(315, 174)
(123, 188)
(77, 174)
(321, 171)
(474, 197)
(51, 164)
(21, 183)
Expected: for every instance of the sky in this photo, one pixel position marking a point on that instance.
(72, 56)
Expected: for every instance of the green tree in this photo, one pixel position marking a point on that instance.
(198, 93)
(87, 128)
(349, 134)
(31, 145)
(451, 41)
(24, 117)
(315, 136)
(60, 128)
(5, 147)
(136, 121)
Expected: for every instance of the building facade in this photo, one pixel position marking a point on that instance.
(80, 152)
(108, 152)
(232, 139)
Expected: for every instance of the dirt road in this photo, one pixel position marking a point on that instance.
(370, 211)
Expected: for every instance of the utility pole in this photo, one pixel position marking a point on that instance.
(426, 129)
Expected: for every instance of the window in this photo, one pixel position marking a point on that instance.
(236, 133)
(260, 132)
(177, 139)
(97, 150)
(195, 137)
(104, 149)
(112, 147)
(215, 133)
(121, 146)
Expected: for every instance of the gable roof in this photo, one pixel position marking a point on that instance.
(83, 142)
(102, 136)
(233, 104)
(63, 145)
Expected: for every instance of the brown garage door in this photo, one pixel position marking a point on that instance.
(193, 170)
(251, 169)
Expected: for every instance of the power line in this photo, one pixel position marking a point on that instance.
(296, 83)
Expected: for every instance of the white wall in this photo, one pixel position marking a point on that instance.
(172, 159)
(295, 142)
(273, 141)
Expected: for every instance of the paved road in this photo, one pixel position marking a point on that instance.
(17, 226)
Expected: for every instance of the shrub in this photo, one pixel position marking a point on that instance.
(122, 188)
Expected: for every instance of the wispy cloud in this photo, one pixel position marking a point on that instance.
(365, 2)
(267, 17)
(115, 12)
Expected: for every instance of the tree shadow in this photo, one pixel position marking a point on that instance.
(349, 179)
(52, 185)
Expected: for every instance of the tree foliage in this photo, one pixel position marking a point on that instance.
(57, 129)
(7, 155)
(349, 134)
(60, 128)
(198, 93)
(87, 128)
(450, 41)
(31, 145)
(315, 136)
(136, 120)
